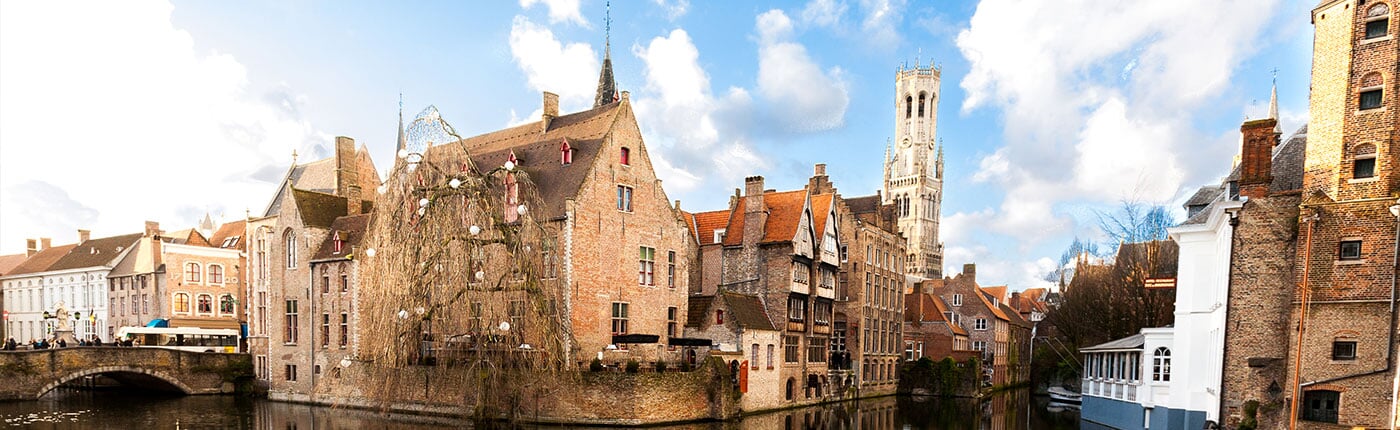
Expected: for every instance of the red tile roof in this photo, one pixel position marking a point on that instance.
(928, 308)
(96, 252)
(230, 230)
(996, 291)
(784, 215)
(821, 207)
(9, 262)
(707, 222)
(40, 262)
(986, 300)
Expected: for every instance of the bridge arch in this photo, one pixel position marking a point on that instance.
(129, 370)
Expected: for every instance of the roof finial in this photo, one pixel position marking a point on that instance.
(607, 86)
(1273, 104)
(294, 156)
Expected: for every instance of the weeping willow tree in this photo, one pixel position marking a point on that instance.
(458, 294)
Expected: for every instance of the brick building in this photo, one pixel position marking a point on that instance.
(335, 292)
(282, 240)
(1315, 262)
(989, 326)
(932, 330)
(179, 278)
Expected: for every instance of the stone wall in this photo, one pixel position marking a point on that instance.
(30, 374)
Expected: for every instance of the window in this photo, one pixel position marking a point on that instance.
(216, 273)
(517, 314)
(1321, 405)
(646, 265)
(146, 303)
(719, 235)
(979, 324)
(1162, 364)
(1363, 163)
(908, 106)
(325, 282)
(344, 329)
(226, 304)
(828, 279)
(1349, 250)
(671, 269)
(626, 158)
(289, 332)
(719, 317)
(671, 314)
(344, 283)
(619, 318)
(821, 313)
(1370, 98)
(291, 373)
(135, 305)
(566, 153)
(337, 244)
(753, 357)
(624, 198)
(289, 241)
(1343, 350)
(800, 273)
(1377, 22)
(979, 345)
(181, 303)
(325, 330)
(206, 304)
(192, 272)
(816, 349)
(790, 348)
(797, 309)
(770, 355)
(474, 323)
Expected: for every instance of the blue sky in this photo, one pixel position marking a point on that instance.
(111, 114)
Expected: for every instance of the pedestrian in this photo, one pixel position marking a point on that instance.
(62, 343)
(96, 341)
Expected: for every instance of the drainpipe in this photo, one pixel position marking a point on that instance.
(1390, 343)
(1311, 219)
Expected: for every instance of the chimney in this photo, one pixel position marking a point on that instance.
(31, 247)
(551, 110)
(755, 213)
(819, 184)
(1256, 157)
(83, 235)
(45, 243)
(753, 186)
(152, 229)
(346, 170)
(970, 270)
(353, 204)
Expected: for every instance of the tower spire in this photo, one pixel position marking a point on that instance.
(1273, 104)
(607, 87)
(400, 145)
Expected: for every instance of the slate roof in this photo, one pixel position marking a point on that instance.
(229, 230)
(537, 154)
(707, 222)
(1130, 342)
(1204, 196)
(321, 209)
(1286, 167)
(784, 215)
(9, 262)
(318, 176)
(96, 252)
(748, 311)
(697, 308)
(41, 261)
(863, 204)
(351, 229)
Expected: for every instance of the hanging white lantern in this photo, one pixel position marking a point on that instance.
(520, 209)
(422, 211)
(505, 326)
(403, 153)
(419, 310)
(403, 314)
(370, 252)
(423, 202)
(474, 230)
(510, 165)
(455, 183)
(480, 275)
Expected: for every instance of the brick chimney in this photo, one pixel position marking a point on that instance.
(45, 243)
(152, 229)
(970, 271)
(755, 212)
(83, 235)
(346, 169)
(819, 183)
(551, 110)
(1256, 157)
(31, 247)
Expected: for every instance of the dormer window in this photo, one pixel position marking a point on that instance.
(626, 158)
(719, 235)
(566, 153)
(337, 243)
(1377, 21)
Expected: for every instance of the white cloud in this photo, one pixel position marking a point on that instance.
(559, 10)
(882, 19)
(686, 122)
(553, 66)
(674, 8)
(823, 13)
(810, 99)
(125, 116)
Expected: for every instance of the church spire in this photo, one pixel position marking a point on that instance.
(400, 145)
(607, 87)
(1273, 105)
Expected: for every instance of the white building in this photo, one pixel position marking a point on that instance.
(75, 275)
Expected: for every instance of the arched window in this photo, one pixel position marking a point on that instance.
(226, 304)
(181, 303)
(566, 153)
(289, 242)
(791, 387)
(908, 106)
(1162, 364)
(922, 98)
(216, 273)
(192, 272)
(1363, 161)
(206, 304)
(1377, 21)
(1372, 91)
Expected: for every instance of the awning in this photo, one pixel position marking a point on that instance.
(635, 338)
(688, 341)
(158, 322)
(220, 323)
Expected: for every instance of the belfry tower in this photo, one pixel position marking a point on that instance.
(914, 168)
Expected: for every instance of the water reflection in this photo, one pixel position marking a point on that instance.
(74, 409)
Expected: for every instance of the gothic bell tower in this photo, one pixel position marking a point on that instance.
(914, 168)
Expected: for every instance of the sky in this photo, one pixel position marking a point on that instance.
(113, 113)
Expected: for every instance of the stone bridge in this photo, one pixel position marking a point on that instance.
(28, 375)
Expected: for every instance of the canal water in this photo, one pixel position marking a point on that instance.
(119, 409)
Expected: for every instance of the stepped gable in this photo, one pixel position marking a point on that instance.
(351, 229)
(96, 252)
